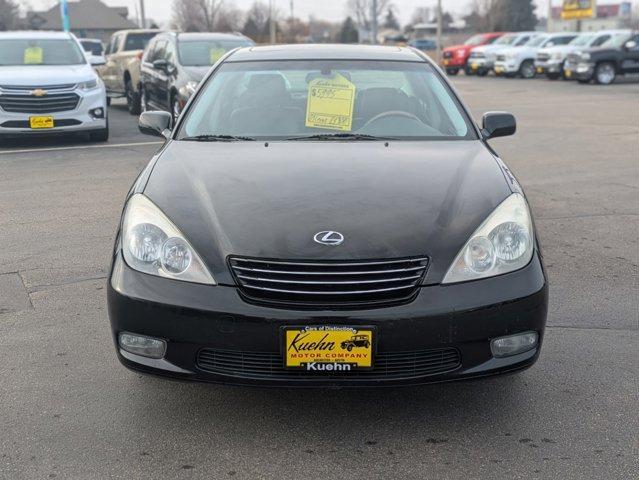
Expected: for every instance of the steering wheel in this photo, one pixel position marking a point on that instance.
(394, 113)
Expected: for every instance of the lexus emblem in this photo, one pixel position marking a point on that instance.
(329, 237)
(38, 92)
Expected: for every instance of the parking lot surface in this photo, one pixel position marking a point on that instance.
(69, 410)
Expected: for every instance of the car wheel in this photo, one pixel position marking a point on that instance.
(605, 73)
(452, 71)
(527, 69)
(132, 99)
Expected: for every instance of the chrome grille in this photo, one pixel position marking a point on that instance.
(477, 55)
(50, 103)
(329, 283)
(501, 58)
(389, 366)
(543, 57)
(48, 88)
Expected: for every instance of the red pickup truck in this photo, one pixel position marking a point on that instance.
(456, 57)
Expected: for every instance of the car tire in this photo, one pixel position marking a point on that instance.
(132, 99)
(527, 69)
(452, 71)
(605, 73)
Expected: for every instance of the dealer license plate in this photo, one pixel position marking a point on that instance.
(446, 62)
(568, 73)
(474, 66)
(40, 122)
(540, 70)
(328, 348)
(499, 69)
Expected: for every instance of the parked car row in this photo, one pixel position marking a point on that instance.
(592, 56)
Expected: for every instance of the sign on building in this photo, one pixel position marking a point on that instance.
(576, 9)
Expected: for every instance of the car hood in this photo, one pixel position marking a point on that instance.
(453, 48)
(562, 49)
(248, 199)
(46, 75)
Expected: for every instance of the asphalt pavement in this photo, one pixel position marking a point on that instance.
(69, 410)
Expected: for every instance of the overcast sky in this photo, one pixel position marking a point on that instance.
(333, 10)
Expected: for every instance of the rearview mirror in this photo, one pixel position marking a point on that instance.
(158, 124)
(498, 124)
(160, 64)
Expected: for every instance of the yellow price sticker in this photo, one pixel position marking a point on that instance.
(216, 54)
(33, 56)
(330, 103)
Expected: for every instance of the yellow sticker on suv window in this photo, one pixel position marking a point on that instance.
(330, 103)
(216, 54)
(33, 56)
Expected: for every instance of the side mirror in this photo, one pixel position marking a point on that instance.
(631, 45)
(498, 124)
(161, 64)
(158, 124)
(97, 60)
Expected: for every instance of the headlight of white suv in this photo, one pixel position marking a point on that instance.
(152, 244)
(584, 56)
(502, 244)
(89, 85)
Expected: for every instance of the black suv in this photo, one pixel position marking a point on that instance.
(174, 64)
(619, 56)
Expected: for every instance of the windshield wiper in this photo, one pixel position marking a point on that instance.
(341, 136)
(218, 138)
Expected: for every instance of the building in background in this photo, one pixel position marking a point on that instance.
(89, 19)
(609, 17)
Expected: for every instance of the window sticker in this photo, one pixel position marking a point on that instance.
(33, 56)
(330, 103)
(216, 54)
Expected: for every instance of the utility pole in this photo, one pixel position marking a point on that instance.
(271, 22)
(549, 23)
(142, 15)
(374, 23)
(439, 31)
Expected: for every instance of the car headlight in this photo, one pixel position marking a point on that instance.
(152, 244)
(511, 56)
(89, 85)
(585, 56)
(502, 244)
(556, 56)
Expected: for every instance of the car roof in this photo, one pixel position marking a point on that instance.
(325, 52)
(139, 30)
(49, 35)
(211, 36)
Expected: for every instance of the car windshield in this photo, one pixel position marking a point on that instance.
(34, 52)
(326, 99)
(138, 41)
(582, 40)
(506, 40)
(204, 53)
(535, 42)
(474, 40)
(616, 41)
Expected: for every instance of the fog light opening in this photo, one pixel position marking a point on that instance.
(513, 344)
(141, 345)
(97, 112)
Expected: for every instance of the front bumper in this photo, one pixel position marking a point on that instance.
(76, 120)
(506, 68)
(480, 64)
(584, 71)
(548, 67)
(461, 318)
(454, 62)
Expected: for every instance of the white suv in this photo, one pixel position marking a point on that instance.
(521, 60)
(47, 85)
(482, 59)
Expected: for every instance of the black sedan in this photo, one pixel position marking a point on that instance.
(310, 195)
(174, 64)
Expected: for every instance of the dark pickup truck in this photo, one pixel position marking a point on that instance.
(603, 64)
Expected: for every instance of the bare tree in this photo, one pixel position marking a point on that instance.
(422, 15)
(9, 15)
(362, 10)
(196, 15)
